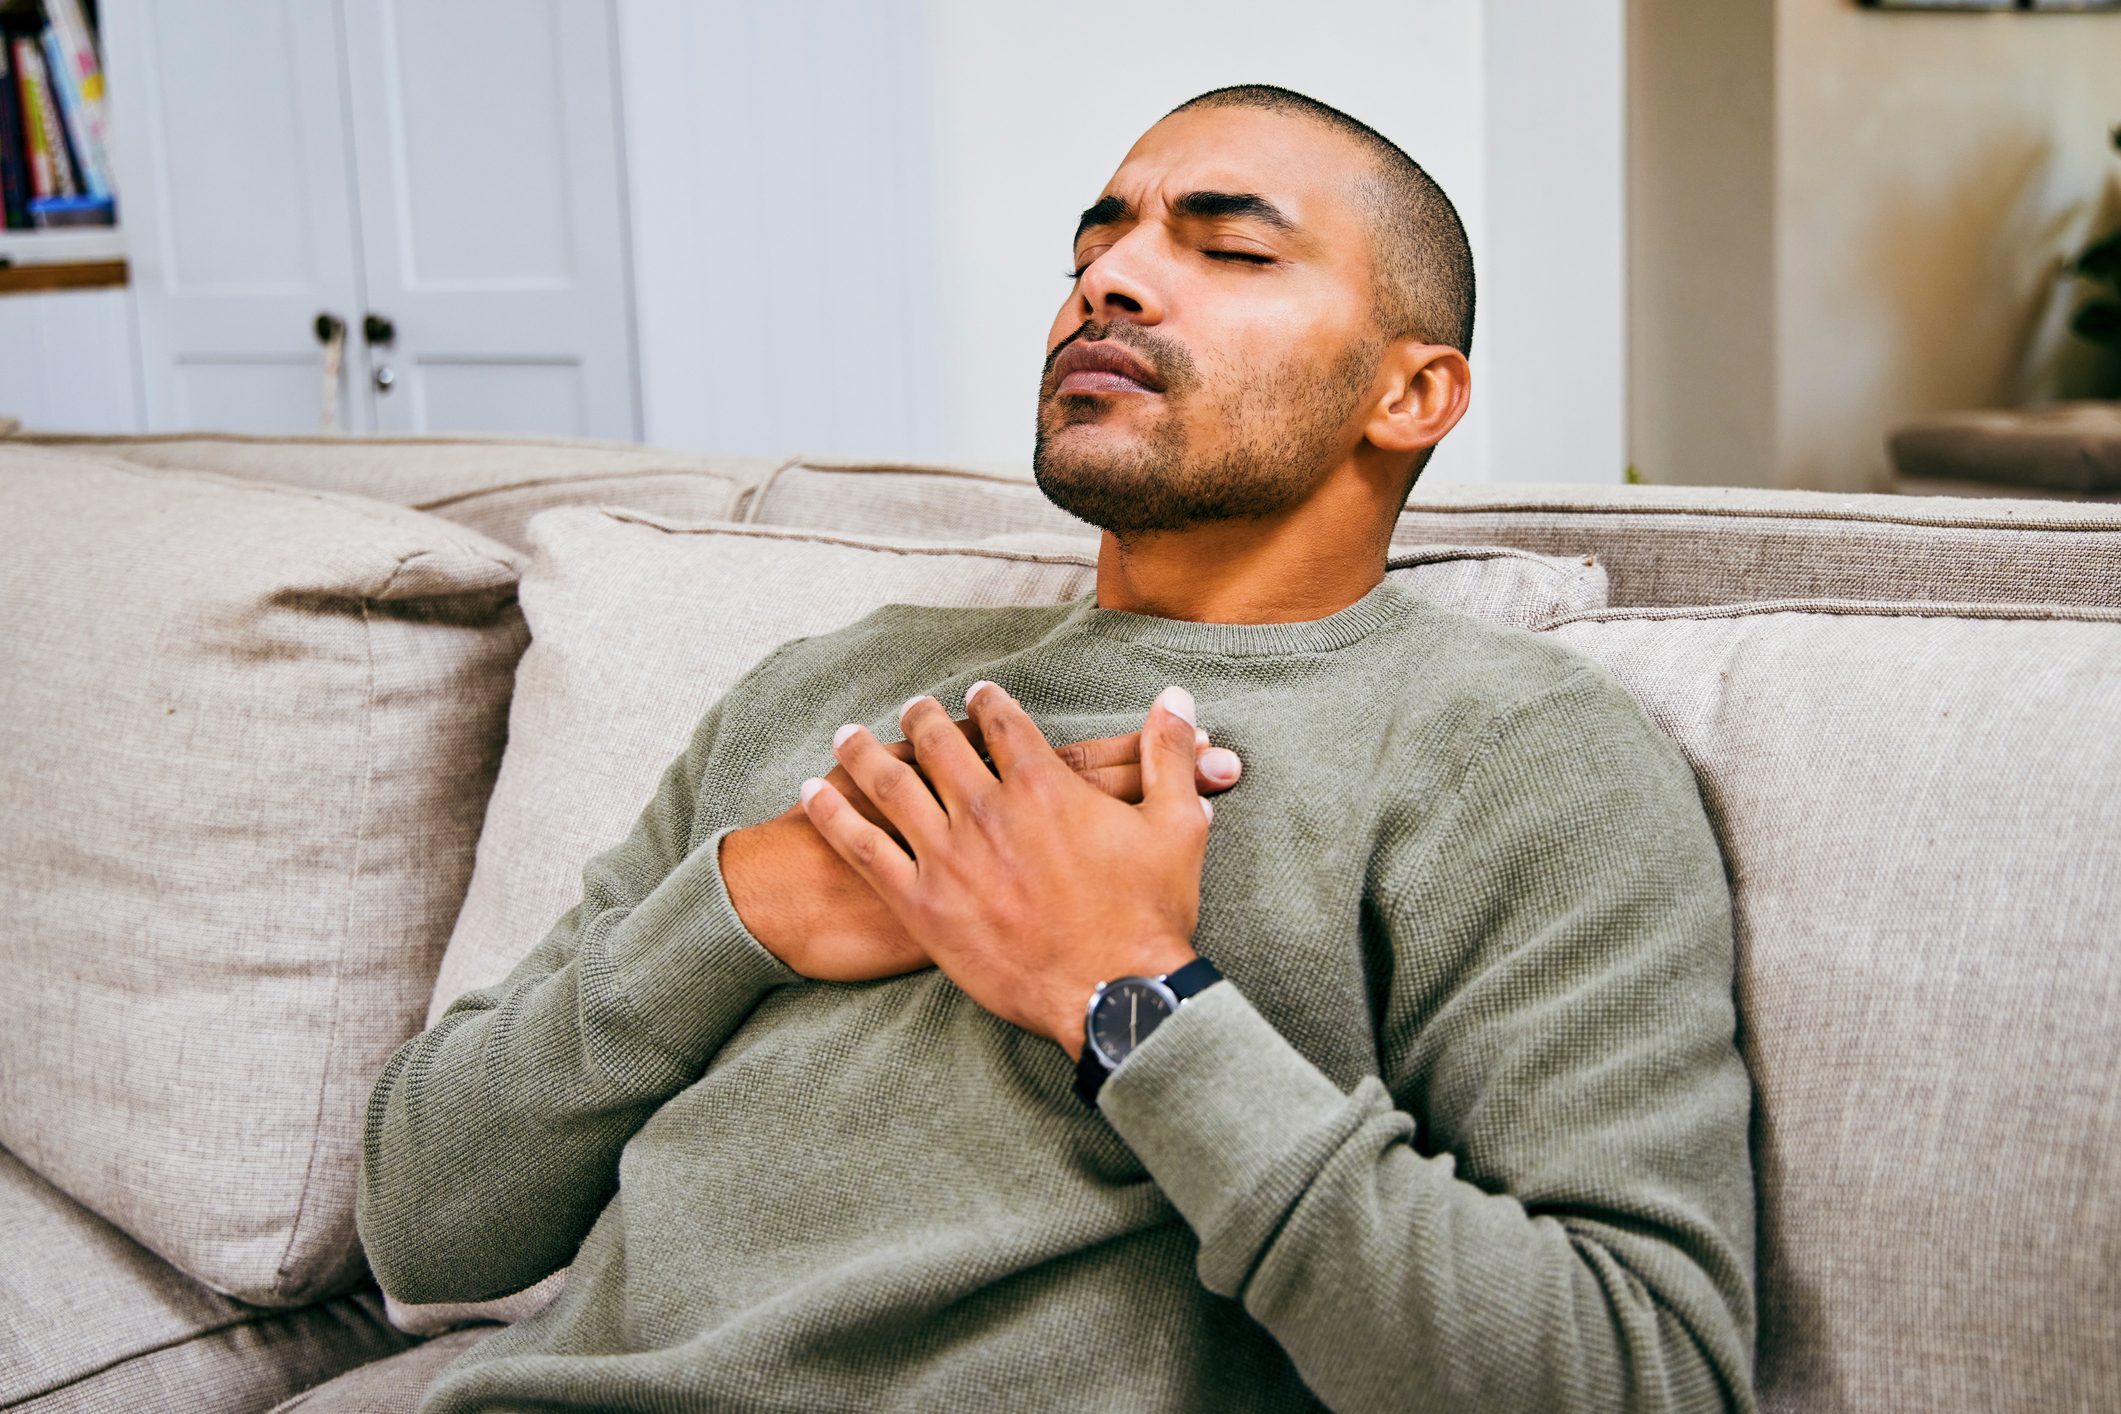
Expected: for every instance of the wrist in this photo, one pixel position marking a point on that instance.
(1159, 959)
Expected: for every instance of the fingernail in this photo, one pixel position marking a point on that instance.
(1207, 808)
(839, 738)
(1200, 736)
(972, 690)
(1178, 702)
(907, 705)
(1219, 763)
(810, 787)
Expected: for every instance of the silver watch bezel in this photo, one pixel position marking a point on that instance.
(1172, 1002)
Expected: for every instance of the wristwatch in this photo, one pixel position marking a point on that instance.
(1124, 1011)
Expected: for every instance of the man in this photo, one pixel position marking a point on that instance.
(1407, 1080)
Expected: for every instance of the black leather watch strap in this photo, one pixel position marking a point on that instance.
(1191, 980)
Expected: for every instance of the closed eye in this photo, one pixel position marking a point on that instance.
(1249, 257)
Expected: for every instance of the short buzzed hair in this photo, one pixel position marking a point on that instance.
(1424, 264)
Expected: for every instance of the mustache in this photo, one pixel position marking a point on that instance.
(1166, 358)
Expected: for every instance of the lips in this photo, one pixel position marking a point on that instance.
(1103, 367)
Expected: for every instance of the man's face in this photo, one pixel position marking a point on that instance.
(1214, 359)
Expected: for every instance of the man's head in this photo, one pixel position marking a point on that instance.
(1265, 290)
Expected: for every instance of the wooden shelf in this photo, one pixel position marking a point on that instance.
(53, 275)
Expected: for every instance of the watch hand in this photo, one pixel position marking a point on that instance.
(1134, 1006)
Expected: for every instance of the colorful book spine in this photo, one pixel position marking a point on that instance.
(88, 162)
(35, 151)
(83, 80)
(14, 167)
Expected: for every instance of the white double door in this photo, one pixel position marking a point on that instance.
(443, 178)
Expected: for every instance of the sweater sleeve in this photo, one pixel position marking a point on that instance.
(1544, 1201)
(493, 1137)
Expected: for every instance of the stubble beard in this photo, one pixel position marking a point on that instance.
(1284, 424)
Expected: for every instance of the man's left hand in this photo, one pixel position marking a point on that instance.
(1026, 885)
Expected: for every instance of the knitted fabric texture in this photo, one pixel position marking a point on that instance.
(1465, 1128)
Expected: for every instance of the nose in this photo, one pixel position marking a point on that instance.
(1121, 283)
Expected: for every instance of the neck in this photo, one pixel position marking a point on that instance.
(1307, 562)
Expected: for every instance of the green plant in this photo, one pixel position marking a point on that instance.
(2098, 319)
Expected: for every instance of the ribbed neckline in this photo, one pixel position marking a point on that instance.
(1386, 601)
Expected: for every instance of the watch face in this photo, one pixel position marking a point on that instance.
(1129, 1009)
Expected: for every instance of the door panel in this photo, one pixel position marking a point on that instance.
(526, 399)
(236, 195)
(486, 146)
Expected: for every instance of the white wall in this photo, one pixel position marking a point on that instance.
(851, 221)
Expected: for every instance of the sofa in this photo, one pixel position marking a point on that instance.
(300, 738)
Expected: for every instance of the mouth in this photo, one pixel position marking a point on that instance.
(1102, 367)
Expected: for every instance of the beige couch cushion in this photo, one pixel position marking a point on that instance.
(1922, 825)
(246, 737)
(492, 484)
(1679, 545)
(1662, 545)
(902, 499)
(638, 625)
(90, 1321)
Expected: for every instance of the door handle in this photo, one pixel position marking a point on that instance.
(378, 330)
(385, 378)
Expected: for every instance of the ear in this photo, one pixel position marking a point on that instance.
(1426, 389)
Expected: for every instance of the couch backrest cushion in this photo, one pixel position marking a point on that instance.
(638, 625)
(90, 1320)
(492, 484)
(1922, 825)
(900, 499)
(1661, 545)
(246, 737)
(1680, 545)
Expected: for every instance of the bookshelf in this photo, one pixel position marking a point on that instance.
(69, 256)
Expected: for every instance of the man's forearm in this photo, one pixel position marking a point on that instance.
(493, 1137)
(1391, 1281)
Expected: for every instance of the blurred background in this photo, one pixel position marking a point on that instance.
(1737, 244)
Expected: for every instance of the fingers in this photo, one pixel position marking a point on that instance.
(1168, 785)
(943, 754)
(892, 786)
(1014, 742)
(867, 850)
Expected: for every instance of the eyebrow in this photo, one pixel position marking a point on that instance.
(1197, 205)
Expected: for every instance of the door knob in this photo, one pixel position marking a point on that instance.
(328, 327)
(378, 330)
(386, 379)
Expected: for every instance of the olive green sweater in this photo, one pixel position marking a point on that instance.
(1464, 1130)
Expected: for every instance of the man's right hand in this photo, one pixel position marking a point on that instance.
(815, 914)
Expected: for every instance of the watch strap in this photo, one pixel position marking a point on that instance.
(1188, 981)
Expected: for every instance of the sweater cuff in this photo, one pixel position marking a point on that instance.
(1231, 1121)
(689, 971)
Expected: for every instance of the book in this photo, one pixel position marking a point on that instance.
(14, 169)
(36, 156)
(73, 118)
(78, 75)
(46, 132)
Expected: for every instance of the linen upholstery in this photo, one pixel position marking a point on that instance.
(492, 484)
(928, 502)
(388, 1386)
(638, 625)
(246, 736)
(1679, 545)
(1918, 812)
(1662, 545)
(91, 1321)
